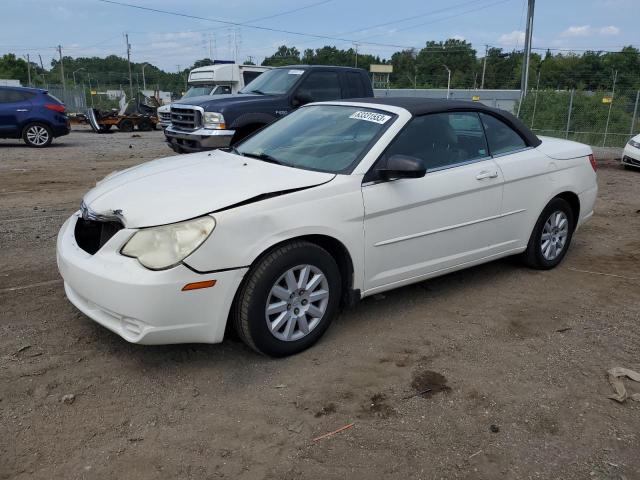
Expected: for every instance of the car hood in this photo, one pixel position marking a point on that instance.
(216, 103)
(186, 186)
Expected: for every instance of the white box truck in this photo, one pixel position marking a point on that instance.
(217, 79)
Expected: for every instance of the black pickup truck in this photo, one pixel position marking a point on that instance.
(203, 123)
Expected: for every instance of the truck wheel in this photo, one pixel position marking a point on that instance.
(144, 125)
(37, 135)
(125, 125)
(288, 300)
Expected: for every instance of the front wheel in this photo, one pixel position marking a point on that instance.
(551, 236)
(37, 135)
(288, 300)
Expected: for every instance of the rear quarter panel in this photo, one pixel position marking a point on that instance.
(532, 179)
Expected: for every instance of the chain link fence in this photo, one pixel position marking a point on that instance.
(593, 117)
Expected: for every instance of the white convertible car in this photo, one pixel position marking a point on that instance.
(332, 203)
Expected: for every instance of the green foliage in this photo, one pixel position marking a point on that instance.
(546, 112)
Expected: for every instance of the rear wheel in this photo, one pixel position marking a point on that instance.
(37, 135)
(551, 236)
(144, 125)
(125, 125)
(288, 300)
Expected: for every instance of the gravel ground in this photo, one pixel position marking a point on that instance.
(516, 361)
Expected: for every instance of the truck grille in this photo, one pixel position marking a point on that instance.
(186, 118)
(164, 116)
(91, 235)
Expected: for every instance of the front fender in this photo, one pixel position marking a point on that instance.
(252, 119)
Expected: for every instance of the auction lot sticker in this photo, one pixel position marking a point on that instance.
(370, 117)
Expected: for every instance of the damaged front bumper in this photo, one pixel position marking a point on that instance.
(197, 140)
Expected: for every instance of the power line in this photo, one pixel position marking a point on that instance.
(256, 27)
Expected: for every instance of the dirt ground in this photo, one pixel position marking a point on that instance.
(516, 361)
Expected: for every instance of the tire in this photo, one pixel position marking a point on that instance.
(250, 316)
(551, 223)
(37, 135)
(145, 125)
(125, 125)
(105, 128)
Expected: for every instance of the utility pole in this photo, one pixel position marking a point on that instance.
(210, 48)
(64, 88)
(527, 50)
(484, 66)
(448, 80)
(29, 69)
(356, 54)
(126, 37)
(144, 80)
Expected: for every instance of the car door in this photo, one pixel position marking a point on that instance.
(418, 227)
(14, 109)
(527, 181)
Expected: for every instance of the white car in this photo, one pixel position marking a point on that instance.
(631, 153)
(332, 203)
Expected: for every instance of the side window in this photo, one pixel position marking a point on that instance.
(353, 85)
(442, 139)
(13, 96)
(501, 137)
(321, 86)
(248, 77)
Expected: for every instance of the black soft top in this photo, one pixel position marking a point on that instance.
(422, 106)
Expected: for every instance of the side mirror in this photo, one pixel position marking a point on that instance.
(301, 98)
(402, 166)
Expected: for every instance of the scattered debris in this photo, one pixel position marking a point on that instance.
(474, 454)
(615, 379)
(135, 439)
(427, 390)
(603, 274)
(295, 427)
(282, 385)
(22, 349)
(135, 135)
(494, 428)
(68, 398)
(341, 429)
(379, 407)
(328, 409)
(563, 329)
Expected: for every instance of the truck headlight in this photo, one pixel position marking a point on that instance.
(159, 248)
(633, 143)
(214, 120)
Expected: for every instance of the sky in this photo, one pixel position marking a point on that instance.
(258, 27)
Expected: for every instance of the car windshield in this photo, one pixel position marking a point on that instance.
(199, 90)
(326, 138)
(274, 82)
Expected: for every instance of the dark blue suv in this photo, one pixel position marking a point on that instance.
(33, 115)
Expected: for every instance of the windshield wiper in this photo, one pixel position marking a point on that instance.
(260, 156)
(259, 92)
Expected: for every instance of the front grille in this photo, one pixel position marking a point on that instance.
(186, 118)
(631, 161)
(164, 116)
(91, 235)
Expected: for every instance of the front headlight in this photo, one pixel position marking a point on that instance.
(633, 143)
(159, 248)
(214, 120)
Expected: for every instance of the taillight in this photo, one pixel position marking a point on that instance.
(593, 162)
(55, 107)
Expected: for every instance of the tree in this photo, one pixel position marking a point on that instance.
(283, 56)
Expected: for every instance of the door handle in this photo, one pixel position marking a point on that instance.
(484, 174)
(22, 110)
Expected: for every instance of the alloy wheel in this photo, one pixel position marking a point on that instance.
(554, 235)
(37, 135)
(297, 302)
